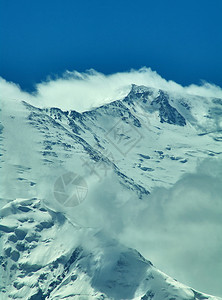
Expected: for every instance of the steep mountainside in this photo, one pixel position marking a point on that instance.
(148, 139)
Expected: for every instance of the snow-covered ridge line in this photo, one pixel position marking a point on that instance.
(41, 267)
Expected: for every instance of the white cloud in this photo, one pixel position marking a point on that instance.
(178, 229)
(12, 91)
(83, 91)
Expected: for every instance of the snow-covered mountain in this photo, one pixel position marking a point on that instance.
(53, 246)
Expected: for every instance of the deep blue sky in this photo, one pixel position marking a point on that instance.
(180, 39)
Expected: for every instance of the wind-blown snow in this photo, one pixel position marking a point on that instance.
(84, 91)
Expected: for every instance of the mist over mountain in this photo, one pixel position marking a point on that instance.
(87, 90)
(111, 188)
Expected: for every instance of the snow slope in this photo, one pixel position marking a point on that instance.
(44, 258)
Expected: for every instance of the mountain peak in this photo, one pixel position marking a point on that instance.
(124, 151)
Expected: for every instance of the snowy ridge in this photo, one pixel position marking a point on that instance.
(40, 261)
(148, 139)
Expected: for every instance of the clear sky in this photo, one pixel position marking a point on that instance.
(180, 39)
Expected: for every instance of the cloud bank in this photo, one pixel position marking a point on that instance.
(179, 229)
(83, 91)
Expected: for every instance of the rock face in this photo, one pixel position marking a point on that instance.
(150, 137)
(156, 100)
(167, 113)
